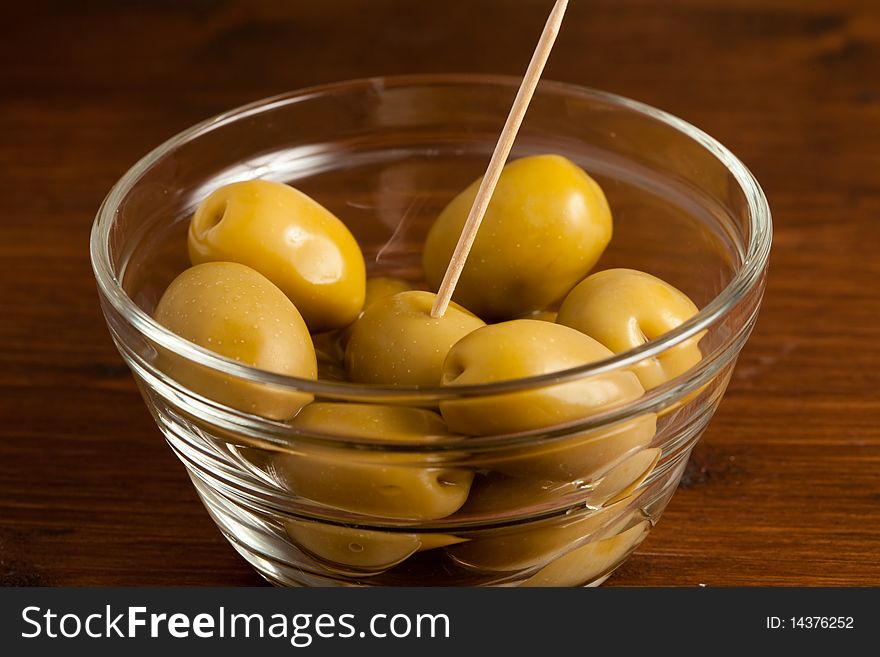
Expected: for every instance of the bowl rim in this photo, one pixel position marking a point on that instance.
(750, 273)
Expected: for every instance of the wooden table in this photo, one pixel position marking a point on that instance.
(785, 487)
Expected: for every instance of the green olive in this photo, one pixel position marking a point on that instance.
(351, 550)
(397, 342)
(590, 563)
(237, 312)
(623, 309)
(520, 547)
(582, 457)
(378, 483)
(624, 478)
(289, 238)
(494, 494)
(497, 494)
(545, 227)
(377, 288)
(525, 348)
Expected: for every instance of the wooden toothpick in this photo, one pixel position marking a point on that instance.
(499, 157)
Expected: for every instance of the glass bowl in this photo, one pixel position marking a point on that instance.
(562, 505)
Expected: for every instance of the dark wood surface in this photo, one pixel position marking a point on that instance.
(785, 487)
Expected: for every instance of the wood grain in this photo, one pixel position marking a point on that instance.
(784, 488)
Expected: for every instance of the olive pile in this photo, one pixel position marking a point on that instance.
(279, 283)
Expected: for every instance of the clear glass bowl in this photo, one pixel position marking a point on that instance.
(563, 505)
